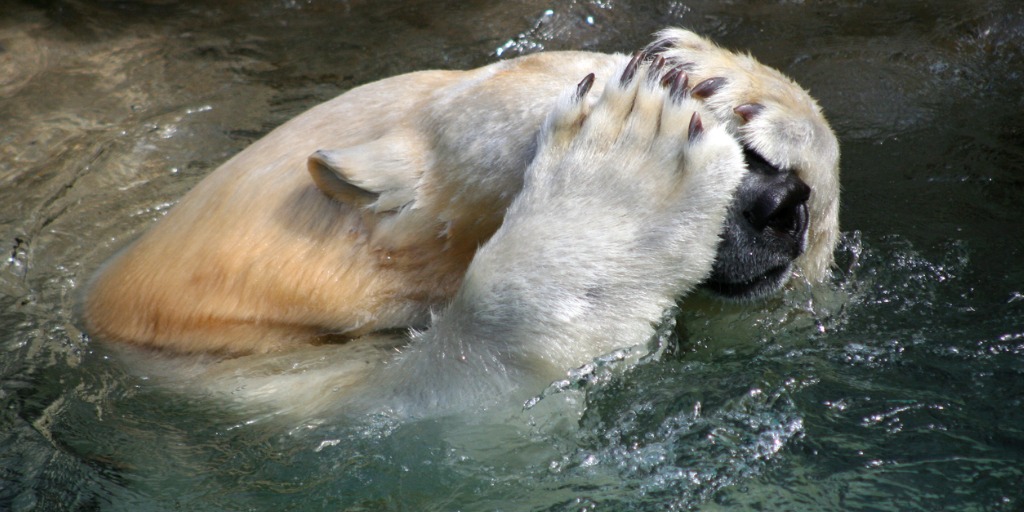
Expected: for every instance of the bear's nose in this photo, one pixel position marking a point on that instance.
(781, 207)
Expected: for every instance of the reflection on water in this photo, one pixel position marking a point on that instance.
(898, 386)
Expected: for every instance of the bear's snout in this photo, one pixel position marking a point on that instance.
(766, 229)
(780, 210)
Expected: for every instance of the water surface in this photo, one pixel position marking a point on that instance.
(898, 386)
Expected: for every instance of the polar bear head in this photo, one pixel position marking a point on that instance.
(786, 211)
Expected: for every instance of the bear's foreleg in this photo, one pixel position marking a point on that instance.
(620, 213)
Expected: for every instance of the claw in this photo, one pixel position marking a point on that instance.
(696, 127)
(584, 87)
(655, 69)
(630, 71)
(669, 76)
(708, 87)
(679, 89)
(747, 111)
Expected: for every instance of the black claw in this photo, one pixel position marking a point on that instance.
(679, 90)
(584, 87)
(669, 76)
(685, 66)
(655, 69)
(658, 46)
(696, 127)
(708, 87)
(748, 111)
(630, 71)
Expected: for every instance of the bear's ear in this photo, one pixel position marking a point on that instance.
(380, 175)
(329, 173)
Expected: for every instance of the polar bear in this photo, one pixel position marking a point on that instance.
(365, 213)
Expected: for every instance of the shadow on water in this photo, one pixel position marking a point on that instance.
(898, 386)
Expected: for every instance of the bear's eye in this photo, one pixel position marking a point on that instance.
(757, 163)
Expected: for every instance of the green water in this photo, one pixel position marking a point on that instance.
(899, 385)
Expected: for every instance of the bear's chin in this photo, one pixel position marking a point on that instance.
(760, 286)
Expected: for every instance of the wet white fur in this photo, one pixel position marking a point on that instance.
(610, 223)
(616, 219)
(619, 214)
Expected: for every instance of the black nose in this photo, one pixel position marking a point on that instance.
(780, 207)
(773, 202)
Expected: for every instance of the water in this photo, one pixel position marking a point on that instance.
(898, 386)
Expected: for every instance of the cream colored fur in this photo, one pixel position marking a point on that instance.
(365, 214)
(790, 132)
(619, 215)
